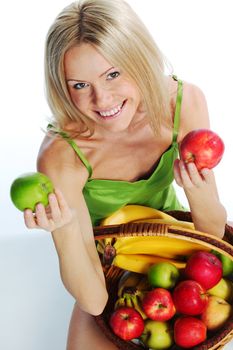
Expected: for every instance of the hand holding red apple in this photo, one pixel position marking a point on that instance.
(203, 147)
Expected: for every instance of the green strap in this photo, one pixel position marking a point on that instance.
(74, 146)
(178, 108)
(81, 156)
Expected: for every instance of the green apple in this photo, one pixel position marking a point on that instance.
(157, 335)
(29, 189)
(227, 263)
(216, 313)
(223, 289)
(163, 274)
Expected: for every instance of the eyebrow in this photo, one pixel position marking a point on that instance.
(99, 75)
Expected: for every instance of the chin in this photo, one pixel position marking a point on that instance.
(117, 125)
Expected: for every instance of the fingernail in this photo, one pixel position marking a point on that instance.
(205, 171)
(27, 211)
(182, 165)
(39, 206)
(51, 196)
(191, 166)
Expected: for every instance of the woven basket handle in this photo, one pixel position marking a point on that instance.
(131, 229)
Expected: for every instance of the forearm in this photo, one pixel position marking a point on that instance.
(80, 276)
(208, 214)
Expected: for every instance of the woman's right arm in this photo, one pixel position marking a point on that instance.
(69, 221)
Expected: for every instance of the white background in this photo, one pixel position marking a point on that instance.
(196, 37)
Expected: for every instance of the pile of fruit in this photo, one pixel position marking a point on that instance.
(170, 305)
(173, 291)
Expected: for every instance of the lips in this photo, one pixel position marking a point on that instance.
(111, 113)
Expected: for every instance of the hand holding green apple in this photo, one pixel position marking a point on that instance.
(29, 189)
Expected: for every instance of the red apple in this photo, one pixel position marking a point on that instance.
(189, 331)
(203, 147)
(158, 304)
(190, 298)
(127, 323)
(205, 268)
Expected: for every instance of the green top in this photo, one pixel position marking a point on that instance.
(103, 197)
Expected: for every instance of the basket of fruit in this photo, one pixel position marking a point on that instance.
(170, 286)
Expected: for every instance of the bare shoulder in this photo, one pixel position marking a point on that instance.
(193, 96)
(194, 110)
(53, 151)
(57, 159)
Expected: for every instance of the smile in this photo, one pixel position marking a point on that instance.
(111, 112)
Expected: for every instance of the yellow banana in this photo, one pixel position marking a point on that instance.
(162, 246)
(132, 298)
(119, 303)
(131, 289)
(102, 243)
(100, 246)
(128, 300)
(183, 224)
(143, 284)
(136, 299)
(140, 263)
(144, 248)
(128, 280)
(132, 212)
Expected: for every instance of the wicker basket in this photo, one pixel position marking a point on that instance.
(216, 340)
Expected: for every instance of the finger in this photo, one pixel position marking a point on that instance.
(177, 173)
(184, 175)
(55, 212)
(194, 175)
(62, 202)
(29, 219)
(41, 217)
(208, 175)
(66, 212)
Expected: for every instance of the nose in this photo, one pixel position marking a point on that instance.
(102, 97)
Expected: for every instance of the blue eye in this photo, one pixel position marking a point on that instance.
(79, 86)
(113, 75)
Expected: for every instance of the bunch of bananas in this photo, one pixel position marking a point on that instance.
(138, 253)
(131, 213)
(131, 290)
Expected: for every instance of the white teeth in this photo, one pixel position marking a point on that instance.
(111, 112)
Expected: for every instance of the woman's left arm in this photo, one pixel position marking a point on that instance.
(207, 212)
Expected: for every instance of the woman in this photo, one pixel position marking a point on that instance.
(117, 122)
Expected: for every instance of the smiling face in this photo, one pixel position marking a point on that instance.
(103, 93)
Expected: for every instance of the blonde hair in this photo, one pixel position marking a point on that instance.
(121, 37)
